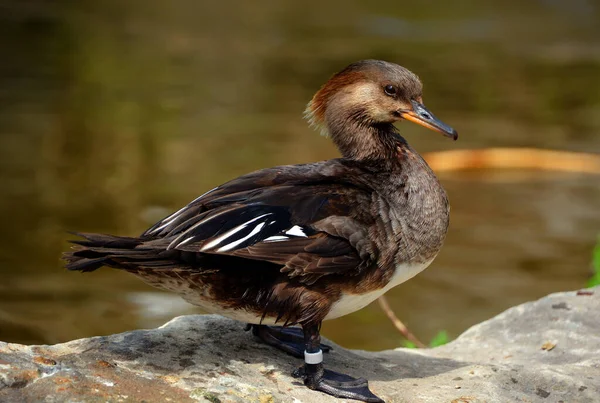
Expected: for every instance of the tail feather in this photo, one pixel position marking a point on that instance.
(83, 264)
(99, 250)
(105, 241)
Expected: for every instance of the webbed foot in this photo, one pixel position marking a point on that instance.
(335, 384)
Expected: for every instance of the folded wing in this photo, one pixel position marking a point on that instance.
(299, 220)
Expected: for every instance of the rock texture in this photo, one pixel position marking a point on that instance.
(543, 351)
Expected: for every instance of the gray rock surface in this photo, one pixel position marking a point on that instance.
(543, 351)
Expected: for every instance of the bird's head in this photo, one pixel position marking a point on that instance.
(371, 93)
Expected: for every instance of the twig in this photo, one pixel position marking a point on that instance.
(398, 323)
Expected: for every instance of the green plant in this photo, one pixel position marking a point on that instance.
(595, 280)
(439, 339)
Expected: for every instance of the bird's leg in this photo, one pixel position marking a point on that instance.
(288, 339)
(316, 377)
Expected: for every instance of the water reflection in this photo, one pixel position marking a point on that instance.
(112, 113)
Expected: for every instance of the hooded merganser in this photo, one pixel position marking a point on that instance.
(295, 245)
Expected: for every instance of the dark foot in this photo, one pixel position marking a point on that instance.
(335, 384)
(288, 339)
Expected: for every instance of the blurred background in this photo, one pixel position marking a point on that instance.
(113, 114)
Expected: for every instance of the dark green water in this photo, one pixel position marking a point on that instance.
(113, 114)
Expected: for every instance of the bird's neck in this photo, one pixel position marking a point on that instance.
(359, 139)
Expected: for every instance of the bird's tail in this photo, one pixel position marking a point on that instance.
(97, 250)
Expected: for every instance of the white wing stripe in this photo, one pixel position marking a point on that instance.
(202, 195)
(239, 241)
(229, 233)
(168, 220)
(296, 231)
(276, 238)
(185, 241)
(172, 217)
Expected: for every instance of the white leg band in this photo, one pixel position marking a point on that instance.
(313, 358)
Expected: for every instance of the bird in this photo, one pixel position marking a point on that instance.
(285, 248)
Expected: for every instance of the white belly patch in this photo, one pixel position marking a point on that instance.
(349, 303)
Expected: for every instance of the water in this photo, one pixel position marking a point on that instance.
(113, 114)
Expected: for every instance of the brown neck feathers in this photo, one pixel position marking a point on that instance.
(337, 112)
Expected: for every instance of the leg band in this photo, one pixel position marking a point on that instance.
(313, 358)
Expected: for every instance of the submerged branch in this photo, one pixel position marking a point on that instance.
(514, 158)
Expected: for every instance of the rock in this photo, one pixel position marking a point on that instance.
(543, 351)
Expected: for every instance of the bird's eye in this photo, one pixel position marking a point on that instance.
(390, 90)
